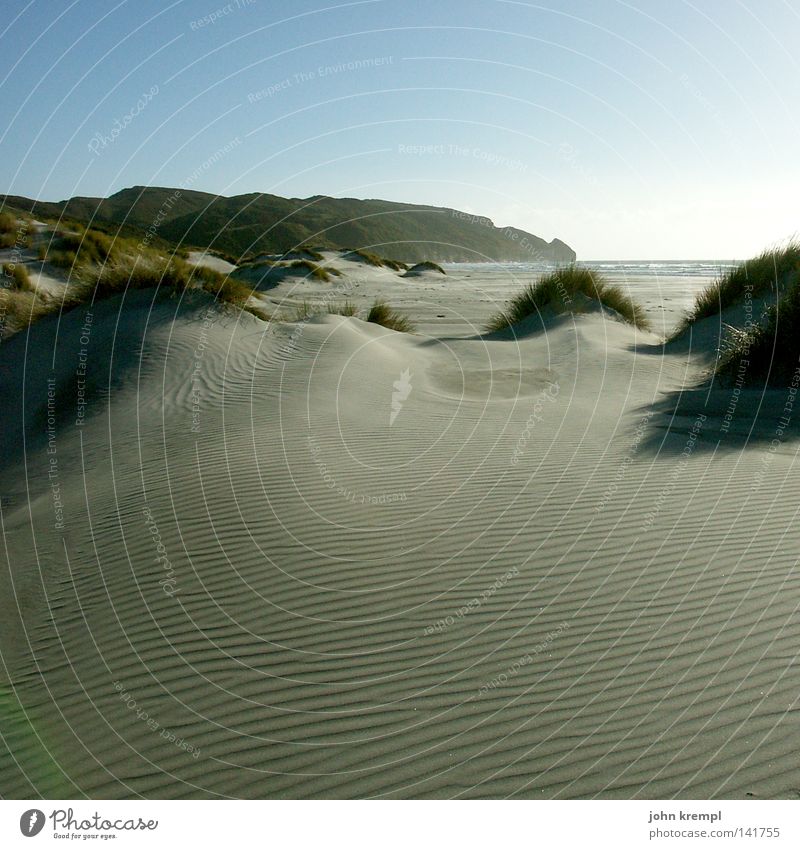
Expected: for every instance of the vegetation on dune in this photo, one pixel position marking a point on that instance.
(15, 232)
(565, 290)
(8, 230)
(306, 309)
(314, 270)
(426, 266)
(381, 313)
(370, 258)
(17, 277)
(304, 252)
(769, 274)
(68, 249)
(100, 266)
(305, 266)
(348, 308)
(767, 351)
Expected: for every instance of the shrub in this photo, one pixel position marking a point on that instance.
(381, 313)
(560, 289)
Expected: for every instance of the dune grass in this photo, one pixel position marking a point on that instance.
(305, 252)
(768, 353)
(69, 250)
(358, 254)
(770, 273)
(565, 290)
(427, 266)
(19, 308)
(15, 231)
(17, 277)
(348, 308)
(306, 309)
(100, 267)
(314, 270)
(381, 313)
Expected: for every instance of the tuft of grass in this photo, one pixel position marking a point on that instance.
(560, 289)
(768, 352)
(72, 249)
(381, 313)
(306, 252)
(771, 272)
(227, 290)
(370, 258)
(17, 276)
(8, 230)
(313, 270)
(306, 309)
(348, 308)
(21, 308)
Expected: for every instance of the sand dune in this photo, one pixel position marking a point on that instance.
(325, 559)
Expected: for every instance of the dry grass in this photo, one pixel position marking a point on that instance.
(17, 276)
(15, 232)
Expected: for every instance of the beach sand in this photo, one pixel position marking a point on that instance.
(324, 559)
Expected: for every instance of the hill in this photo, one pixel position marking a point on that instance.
(256, 223)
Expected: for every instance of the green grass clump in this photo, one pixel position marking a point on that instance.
(560, 289)
(17, 276)
(381, 313)
(769, 352)
(770, 273)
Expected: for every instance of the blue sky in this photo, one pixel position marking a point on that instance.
(629, 129)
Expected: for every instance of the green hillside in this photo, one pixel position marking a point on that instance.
(256, 223)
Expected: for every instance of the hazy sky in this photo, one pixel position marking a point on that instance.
(643, 129)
